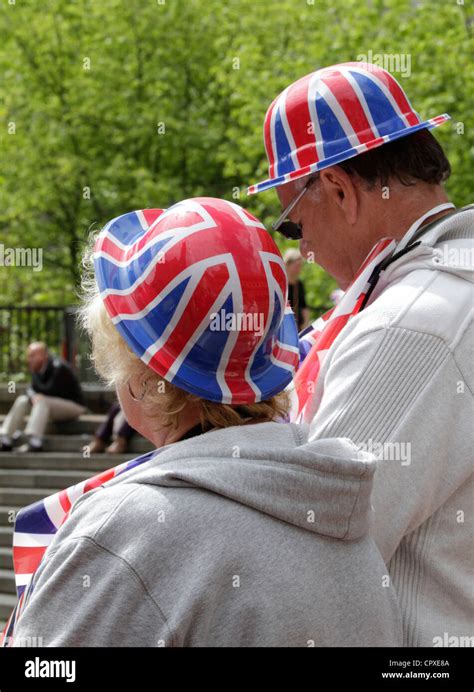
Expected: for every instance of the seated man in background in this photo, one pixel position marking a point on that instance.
(55, 394)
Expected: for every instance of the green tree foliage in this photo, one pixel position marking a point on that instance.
(112, 105)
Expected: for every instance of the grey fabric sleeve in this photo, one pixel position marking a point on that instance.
(396, 385)
(85, 595)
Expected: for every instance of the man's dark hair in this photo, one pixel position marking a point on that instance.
(418, 156)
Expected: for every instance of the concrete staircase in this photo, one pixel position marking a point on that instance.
(26, 478)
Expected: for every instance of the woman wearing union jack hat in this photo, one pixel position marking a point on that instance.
(234, 531)
(360, 180)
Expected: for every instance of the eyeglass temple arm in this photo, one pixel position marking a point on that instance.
(291, 206)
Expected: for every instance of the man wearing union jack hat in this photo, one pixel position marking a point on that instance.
(234, 531)
(360, 180)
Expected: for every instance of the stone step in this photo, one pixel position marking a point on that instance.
(7, 581)
(7, 603)
(62, 461)
(97, 397)
(6, 558)
(75, 443)
(85, 425)
(6, 536)
(23, 496)
(32, 478)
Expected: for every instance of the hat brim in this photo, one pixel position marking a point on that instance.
(344, 155)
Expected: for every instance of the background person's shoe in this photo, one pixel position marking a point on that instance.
(35, 444)
(17, 437)
(96, 446)
(118, 446)
(6, 444)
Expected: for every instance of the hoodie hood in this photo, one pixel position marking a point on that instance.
(322, 486)
(447, 245)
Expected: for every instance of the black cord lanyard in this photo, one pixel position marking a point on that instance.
(374, 277)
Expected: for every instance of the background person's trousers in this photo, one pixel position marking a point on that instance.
(45, 409)
(115, 425)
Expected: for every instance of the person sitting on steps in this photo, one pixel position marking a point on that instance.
(55, 394)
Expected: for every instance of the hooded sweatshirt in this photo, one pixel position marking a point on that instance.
(245, 536)
(398, 380)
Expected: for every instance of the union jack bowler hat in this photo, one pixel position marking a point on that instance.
(332, 115)
(199, 293)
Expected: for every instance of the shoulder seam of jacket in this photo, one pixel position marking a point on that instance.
(111, 511)
(136, 574)
(387, 327)
(384, 332)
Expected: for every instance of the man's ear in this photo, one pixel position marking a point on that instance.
(341, 191)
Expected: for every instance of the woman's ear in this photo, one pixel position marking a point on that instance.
(340, 191)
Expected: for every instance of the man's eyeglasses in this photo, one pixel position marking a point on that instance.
(283, 224)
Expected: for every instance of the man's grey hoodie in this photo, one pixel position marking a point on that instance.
(398, 380)
(246, 536)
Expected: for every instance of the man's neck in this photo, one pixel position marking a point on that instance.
(405, 212)
(435, 217)
(395, 221)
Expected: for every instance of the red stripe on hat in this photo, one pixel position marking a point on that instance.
(151, 215)
(235, 374)
(285, 356)
(375, 143)
(241, 392)
(196, 309)
(300, 172)
(166, 263)
(267, 138)
(299, 121)
(344, 92)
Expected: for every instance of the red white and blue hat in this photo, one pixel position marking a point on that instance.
(199, 293)
(332, 115)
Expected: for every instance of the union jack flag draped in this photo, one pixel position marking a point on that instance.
(317, 339)
(37, 525)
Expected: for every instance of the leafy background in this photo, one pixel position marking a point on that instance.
(205, 71)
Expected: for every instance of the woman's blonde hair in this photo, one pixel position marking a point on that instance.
(115, 361)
